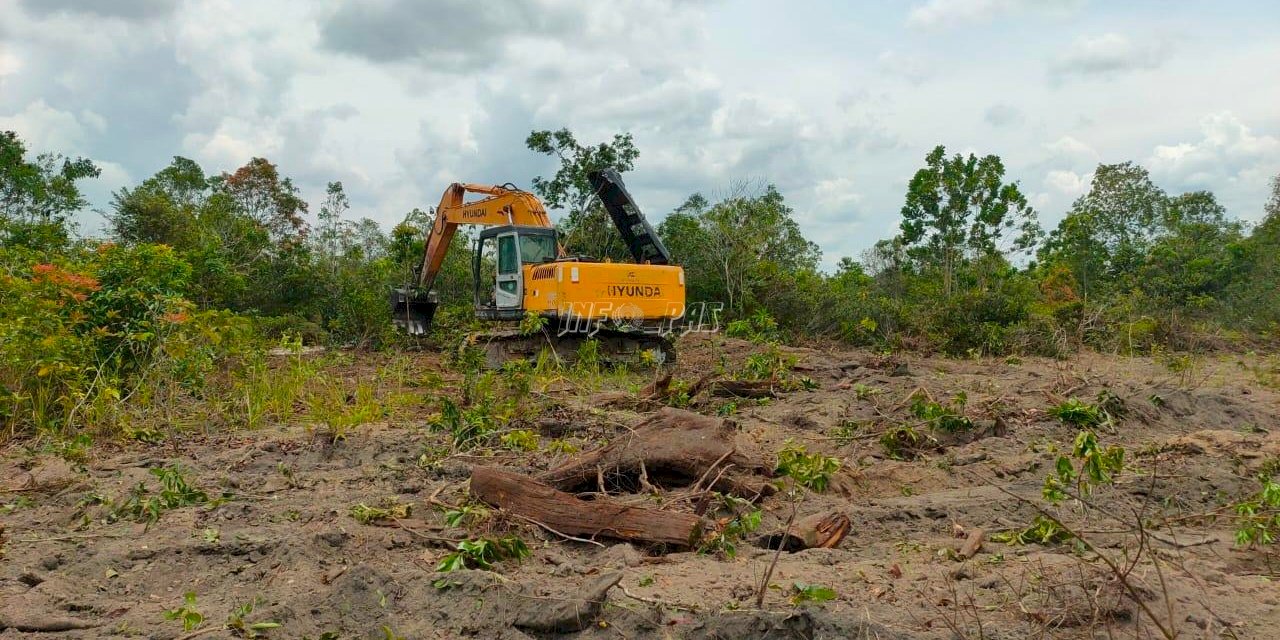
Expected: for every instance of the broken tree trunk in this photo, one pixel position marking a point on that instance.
(818, 531)
(672, 447)
(745, 388)
(569, 515)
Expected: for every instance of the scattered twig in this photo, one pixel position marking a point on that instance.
(768, 574)
(562, 535)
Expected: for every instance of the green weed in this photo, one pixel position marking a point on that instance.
(812, 470)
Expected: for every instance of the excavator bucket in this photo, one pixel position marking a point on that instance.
(412, 309)
(644, 244)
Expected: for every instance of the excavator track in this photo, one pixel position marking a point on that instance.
(613, 347)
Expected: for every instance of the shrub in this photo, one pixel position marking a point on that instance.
(812, 470)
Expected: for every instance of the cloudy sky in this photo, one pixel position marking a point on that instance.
(835, 102)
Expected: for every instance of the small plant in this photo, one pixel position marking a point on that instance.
(1089, 466)
(948, 418)
(236, 622)
(1258, 518)
(532, 322)
(745, 520)
(562, 446)
(847, 432)
(902, 442)
(1079, 413)
(481, 554)
(465, 515)
(864, 392)
(175, 493)
(520, 440)
(809, 470)
(727, 409)
(1042, 531)
(390, 510)
(805, 594)
(20, 502)
(187, 613)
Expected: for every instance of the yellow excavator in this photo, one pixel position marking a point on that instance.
(520, 267)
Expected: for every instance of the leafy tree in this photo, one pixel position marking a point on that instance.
(330, 231)
(272, 201)
(960, 208)
(741, 249)
(37, 197)
(1105, 236)
(587, 230)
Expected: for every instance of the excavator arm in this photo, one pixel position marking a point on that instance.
(504, 205)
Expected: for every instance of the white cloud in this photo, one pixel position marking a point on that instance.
(1228, 153)
(43, 127)
(1067, 183)
(1072, 150)
(1108, 55)
(952, 13)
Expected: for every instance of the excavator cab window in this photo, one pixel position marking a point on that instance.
(537, 248)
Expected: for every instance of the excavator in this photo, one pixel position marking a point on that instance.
(520, 269)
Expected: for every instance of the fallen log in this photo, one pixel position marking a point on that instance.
(744, 389)
(818, 531)
(671, 447)
(567, 514)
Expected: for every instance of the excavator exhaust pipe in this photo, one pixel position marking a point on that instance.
(412, 310)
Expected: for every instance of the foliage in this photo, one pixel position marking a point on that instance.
(1258, 517)
(520, 440)
(1074, 411)
(902, 442)
(587, 229)
(743, 520)
(948, 418)
(390, 509)
(759, 327)
(1088, 466)
(187, 613)
(175, 493)
(482, 553)
(812, 470)
(803, 594)
(465, 514)
(237, 624)
(1041, 531)
(960, 207)
(38, 196)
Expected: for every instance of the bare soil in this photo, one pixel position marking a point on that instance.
(285, 538)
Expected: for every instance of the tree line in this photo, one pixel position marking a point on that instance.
(192, 257)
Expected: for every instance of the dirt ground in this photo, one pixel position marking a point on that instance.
(285, 538)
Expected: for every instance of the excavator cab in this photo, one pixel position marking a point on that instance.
(498, 267)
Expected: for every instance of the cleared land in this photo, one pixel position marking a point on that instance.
(82, 558)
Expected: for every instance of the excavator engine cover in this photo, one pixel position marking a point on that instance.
(412, 309)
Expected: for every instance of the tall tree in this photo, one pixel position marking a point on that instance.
(272, 201)
(744, 244)
(1105, 236)
(37, 197)
(960, 208)
(586, 229)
